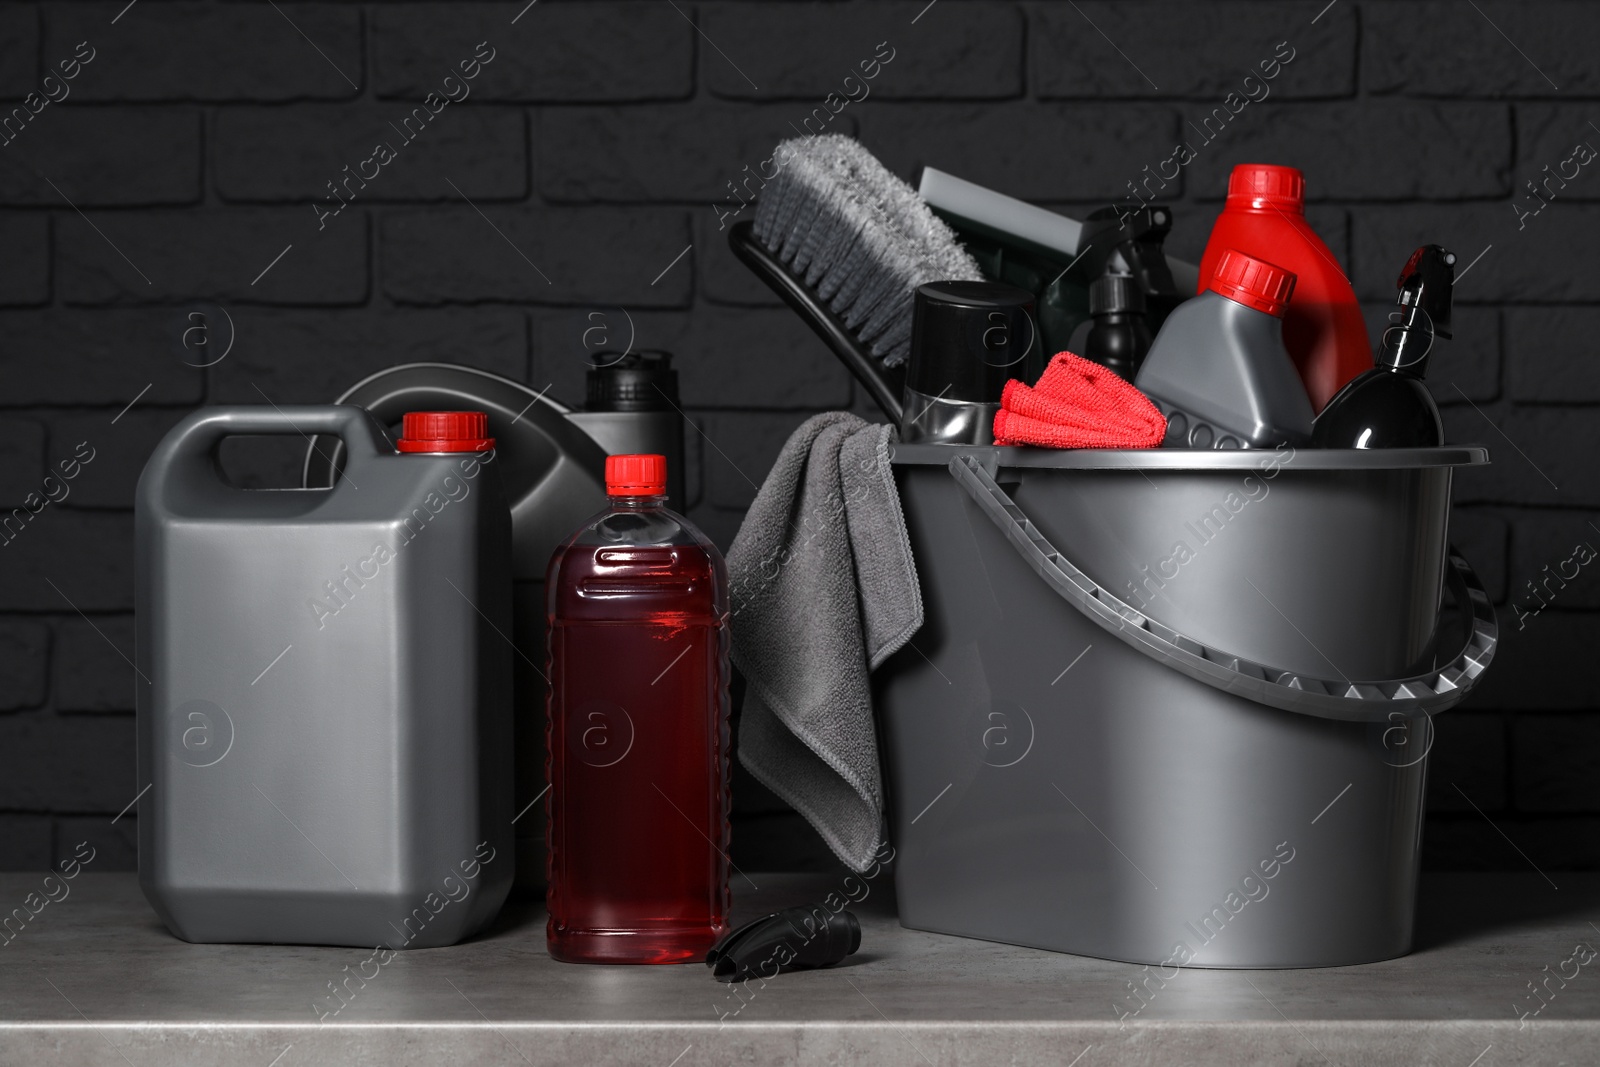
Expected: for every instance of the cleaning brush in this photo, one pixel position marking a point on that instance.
(859, 240)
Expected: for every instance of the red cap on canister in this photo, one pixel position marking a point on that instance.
(1268, 185)
(445, 431)
(1252, 282)
(637, 475)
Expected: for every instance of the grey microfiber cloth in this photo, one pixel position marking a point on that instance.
(823, 590)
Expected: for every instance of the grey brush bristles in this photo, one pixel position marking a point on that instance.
(858, 236)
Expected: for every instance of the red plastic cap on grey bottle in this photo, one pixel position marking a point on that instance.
(1253, 282)
(637, 475)
(1268, 185)
(444, 431)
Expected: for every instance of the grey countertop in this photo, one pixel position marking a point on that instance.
(94, 978)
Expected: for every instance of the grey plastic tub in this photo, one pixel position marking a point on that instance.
(1103, 743)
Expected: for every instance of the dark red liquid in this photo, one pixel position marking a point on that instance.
(638, 742)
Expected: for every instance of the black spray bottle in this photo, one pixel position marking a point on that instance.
(1116, 336)
(1389, 406)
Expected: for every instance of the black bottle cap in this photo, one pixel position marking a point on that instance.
(631, 381)
(969, 338)
(1111, 293)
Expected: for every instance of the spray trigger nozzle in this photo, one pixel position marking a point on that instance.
(789, 940)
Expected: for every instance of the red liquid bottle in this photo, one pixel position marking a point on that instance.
(637, 731)
(1324, 331)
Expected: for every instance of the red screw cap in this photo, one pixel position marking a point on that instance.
(1268, 185)
(1253, 282)
(636, 475)
(445, 431)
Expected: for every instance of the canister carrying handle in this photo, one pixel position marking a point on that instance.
(1429, 693)
(202, 432)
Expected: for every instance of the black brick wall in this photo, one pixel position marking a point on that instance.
(195, 143)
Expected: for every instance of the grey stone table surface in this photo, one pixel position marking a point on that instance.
(93, 978)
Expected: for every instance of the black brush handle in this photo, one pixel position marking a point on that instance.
(828, 326)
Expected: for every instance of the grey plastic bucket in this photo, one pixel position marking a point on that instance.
(1103, 744)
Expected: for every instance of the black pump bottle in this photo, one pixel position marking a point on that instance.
(1116, 336)
(1389, 406)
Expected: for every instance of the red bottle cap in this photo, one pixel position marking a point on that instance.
(1263, 185)
(1252, 282)
(445, 431)
(636, 475)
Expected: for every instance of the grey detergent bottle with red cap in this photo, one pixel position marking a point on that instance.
(1218, 369)
(324, 687)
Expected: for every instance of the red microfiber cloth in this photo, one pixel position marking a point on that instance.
(1077, 404)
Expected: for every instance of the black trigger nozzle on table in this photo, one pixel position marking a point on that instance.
(793, 939)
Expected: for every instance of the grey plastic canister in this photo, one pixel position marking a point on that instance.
(324, 690)
(1174, 707)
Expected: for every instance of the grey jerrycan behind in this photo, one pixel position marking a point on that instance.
(552, 464)
(324, 705)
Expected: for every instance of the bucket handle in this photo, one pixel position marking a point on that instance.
(1436, 691)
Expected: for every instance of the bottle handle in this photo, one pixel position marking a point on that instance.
(199, 435)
